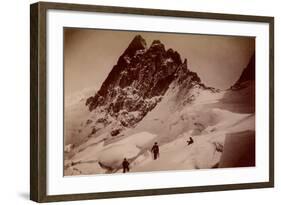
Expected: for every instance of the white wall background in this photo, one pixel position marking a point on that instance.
(14, 101)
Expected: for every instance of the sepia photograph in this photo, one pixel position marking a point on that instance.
(138, 101)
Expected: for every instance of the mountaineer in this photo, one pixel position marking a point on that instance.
(190, 141)
(155, 150)
(125, 165)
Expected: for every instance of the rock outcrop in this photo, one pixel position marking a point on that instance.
(140, 78)
(247, 75)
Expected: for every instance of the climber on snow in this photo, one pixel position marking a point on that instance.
(190, 141)
(155, 150)
(125, 165)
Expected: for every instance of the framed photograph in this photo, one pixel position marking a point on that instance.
(134, 102)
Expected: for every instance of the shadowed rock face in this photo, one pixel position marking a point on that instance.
(245, 157)
(248, 74)
(140, 78)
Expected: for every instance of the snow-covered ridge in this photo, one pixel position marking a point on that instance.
(175, 154)
(208, 120)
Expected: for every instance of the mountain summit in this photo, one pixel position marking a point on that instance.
(138, 43)
(139, 80)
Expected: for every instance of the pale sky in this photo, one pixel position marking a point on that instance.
(89, 55)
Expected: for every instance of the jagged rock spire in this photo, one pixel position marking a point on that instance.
(138, 43)
(140, 78)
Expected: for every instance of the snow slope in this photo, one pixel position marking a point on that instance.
(208, 119)
(74, 114)
(97, 155)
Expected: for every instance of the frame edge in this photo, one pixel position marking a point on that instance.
(155, 12)
(271, 101)
(38, 102)
(34, 41)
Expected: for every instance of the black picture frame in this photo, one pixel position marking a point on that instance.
(38, 102)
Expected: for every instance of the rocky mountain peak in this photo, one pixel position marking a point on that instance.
(140, 79)
(138, 43)
(156, 45)
(155, 42)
